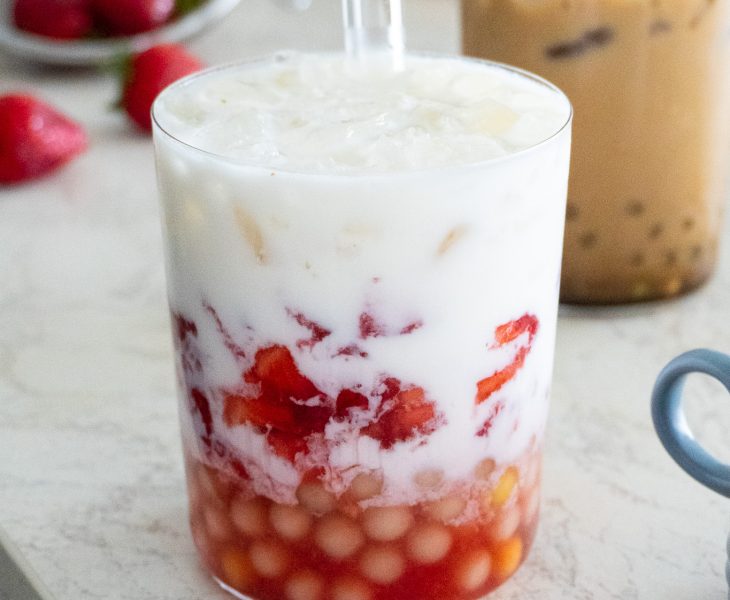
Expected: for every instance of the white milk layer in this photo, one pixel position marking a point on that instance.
(321, 113)
(459, 250)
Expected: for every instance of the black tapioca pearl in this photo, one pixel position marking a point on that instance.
(670, 258)
(571, 212)
(688, 223)
(695, 252)
(635, 208)
(660, 26)
(600, 36)
(588, 240)
(566, 50)
(636, 259)
(593, 38)
(655, 231)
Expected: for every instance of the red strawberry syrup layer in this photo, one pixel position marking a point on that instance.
(289, 496)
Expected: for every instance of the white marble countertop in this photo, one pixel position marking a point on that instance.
(91, 486)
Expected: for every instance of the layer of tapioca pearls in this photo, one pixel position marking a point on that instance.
(326, 548)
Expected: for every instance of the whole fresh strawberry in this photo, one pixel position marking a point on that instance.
(127, 17)
(35, 138)
(149, 73)
(60, 19)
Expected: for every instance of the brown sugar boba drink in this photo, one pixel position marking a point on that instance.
(363, 269)
(648, 80)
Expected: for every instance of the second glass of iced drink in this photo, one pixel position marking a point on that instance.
(363, 272)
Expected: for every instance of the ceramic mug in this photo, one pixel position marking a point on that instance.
(671, 424)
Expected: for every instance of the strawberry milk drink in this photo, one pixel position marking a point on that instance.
(363, 272)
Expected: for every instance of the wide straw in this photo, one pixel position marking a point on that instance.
(374, 30)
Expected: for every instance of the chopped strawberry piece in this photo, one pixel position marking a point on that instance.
(508, 332)
(239, 469)
(234, 348)
(411, 327)
(487, 426)
(317, 332)
(258, 411)
(351, 350)
(183, 327)
(504, 334)
(410, 414)
(276, 370)
(202, 417)
(369, 327)
(348, 400)
(392, 387)
(286, 445)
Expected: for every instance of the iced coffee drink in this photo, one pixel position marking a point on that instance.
(648, 81)
(363, 272)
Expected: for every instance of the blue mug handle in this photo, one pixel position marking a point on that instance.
(670, 422)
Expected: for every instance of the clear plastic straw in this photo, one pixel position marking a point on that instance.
(374, 30)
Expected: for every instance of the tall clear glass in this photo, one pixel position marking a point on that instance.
(649, 83)
(364, 364)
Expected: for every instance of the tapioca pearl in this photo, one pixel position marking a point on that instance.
(304, 585)
(571, 212)
(428, 543)
(445, 510)
(507, 556)
(484, 469)
(505, 523)
(290, 522)
(671, 257)
(237, 569)
(636, 259)
(429, 478)
(269, 559)
(695, 252)
(382, 564)
(688, 223)
(506, 485)
(217, 524)
(473, 570)
(249, 516)
(635, 208)
(530, 504)
(338, 536)
(588, 240)
(315, 498)
(655, 231)
(349, 588)
(387, 523)
(366, 485)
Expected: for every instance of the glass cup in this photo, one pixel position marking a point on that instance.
(364, 365)
(649, 83)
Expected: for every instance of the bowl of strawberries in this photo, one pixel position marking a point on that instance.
(88, 32)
